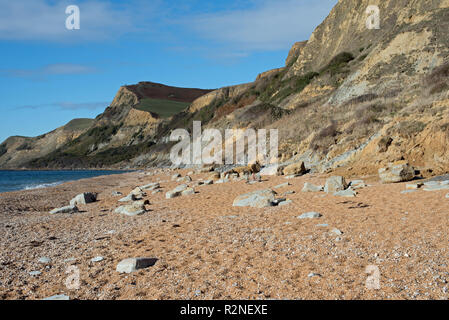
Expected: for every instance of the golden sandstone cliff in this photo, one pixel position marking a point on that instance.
(349, 98)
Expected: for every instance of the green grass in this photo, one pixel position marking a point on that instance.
(338, 64)
(285, 88)
(3, 149)
(163, 108)
(79, 124)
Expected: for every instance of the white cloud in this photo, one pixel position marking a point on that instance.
(272, 25)
(42, 20)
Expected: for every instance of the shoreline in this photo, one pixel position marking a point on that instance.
(33, 185)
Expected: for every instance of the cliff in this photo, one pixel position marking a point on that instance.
(349, 98)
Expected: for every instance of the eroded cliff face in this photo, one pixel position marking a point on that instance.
(358, 98)
(17, 151)
(348, 99)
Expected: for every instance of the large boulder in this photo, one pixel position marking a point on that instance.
(131, 197)
(135, 209)
(84, 198)
(68, 209)
(308, 187)
(348, 193)
(295, 169)
(335, 184)
(151, 186)
(188, 192)
(133, 264)
(256, 199)
(138, 192)
(399, 171)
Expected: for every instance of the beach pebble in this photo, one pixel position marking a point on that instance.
(34, 273)
(97, 259)
(337, 232)
(133, 264)
(348, 193)
(408, 191)
(414, 186)
(58, 297)
(135, 209)
(256, 199)
(310, 215)
(44, 260)
(312, 274)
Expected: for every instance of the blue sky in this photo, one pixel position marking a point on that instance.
(50, 75)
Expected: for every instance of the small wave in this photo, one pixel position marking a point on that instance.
(42, 185)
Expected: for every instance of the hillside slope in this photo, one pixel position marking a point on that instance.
(16, 151)
(115, 135)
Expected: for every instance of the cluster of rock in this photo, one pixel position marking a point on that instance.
(181, 190)
(259, 199)
(83, 198)
(136, 203)
(336, 186)
(433, 185)
(293, 170)
(399, 171)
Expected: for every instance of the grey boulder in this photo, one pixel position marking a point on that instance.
(256, 199)
(84, 198)
(348, 193)
(135, 209)
(133, 264)
(308, 187)
(310, 215)
(399, 171)
(335, 184)
(67, 209)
